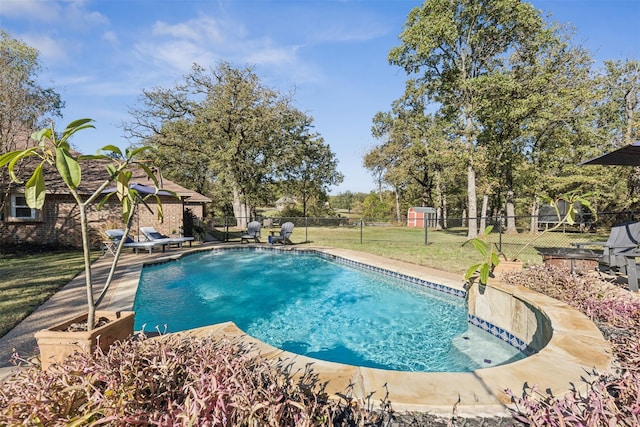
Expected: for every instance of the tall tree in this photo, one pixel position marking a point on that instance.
(224, 128)
(24, 104)
(538, 101)
(619, 119)
(308, 165)
(621, 83)
(414, 156)
(449, 44)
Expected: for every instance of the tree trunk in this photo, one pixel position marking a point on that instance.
(472, 202)
(630, 104)
(535, 210)
(439, 201)
(483, 209)
(444, 211)
(511, 213)
(398, 213)
(240, 210)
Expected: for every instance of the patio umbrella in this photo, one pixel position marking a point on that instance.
(629, 155)
(141, 189)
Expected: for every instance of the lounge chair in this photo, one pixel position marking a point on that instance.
(622, 239)
(253, 232)
(285, 233)
(116, 234)
(153, 235)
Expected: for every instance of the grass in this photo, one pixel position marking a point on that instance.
(29, 279)
(443, 249)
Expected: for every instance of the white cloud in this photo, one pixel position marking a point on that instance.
(177, 54)
(203, 29)
(38, 10)
(73, 13)
(73, 81)
(51, 49)
(110, 37)
(206, 40)
(271, 55)
(110, 89)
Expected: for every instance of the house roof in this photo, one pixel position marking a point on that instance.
(422, 209)
(285, 200)
(94, 173)
(187, 195)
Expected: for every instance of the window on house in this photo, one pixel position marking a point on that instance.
(20, 209)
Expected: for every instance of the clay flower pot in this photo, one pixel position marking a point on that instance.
(507, 266)
(58, 342)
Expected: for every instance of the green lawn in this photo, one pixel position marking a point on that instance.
(443, 249)
(27, 280)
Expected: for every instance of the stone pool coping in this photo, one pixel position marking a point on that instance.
(575, 349)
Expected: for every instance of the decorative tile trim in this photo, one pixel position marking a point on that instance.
(504, 335)
(414, 280)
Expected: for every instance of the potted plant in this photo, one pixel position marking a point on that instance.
(571, 199)
(490, 255)
(55, 151)
(493, 264)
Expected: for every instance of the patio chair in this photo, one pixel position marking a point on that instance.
(253, 232)
(115, 235)
(153, 235)
(285, 233)
(623, 238)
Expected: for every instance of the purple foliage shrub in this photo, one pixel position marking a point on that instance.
(174, 380)
(611, 398)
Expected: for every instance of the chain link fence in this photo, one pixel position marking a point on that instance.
(521, 242)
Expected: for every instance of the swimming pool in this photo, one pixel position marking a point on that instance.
(310, 305)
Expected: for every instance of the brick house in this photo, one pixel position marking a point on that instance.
(58, 222)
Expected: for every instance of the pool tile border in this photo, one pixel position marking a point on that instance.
(460, 293)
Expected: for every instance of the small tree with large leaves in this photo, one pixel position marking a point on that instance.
(55, 150)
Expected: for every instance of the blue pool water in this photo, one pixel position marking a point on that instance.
(310, 305)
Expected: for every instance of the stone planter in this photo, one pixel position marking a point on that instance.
(57, 343)
(577, 265)
(507, 267)
(574, 260)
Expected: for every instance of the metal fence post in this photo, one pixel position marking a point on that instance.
(500, 233)
(306, 230)
(361, 224)
(424, 220)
